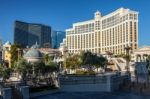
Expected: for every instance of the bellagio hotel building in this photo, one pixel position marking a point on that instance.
(112, 32)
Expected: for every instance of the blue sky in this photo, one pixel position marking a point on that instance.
(60, 14)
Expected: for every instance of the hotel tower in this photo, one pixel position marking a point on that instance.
(112, 32)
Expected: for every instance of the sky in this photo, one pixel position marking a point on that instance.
(61, 14)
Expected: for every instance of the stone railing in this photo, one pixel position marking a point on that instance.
(102, 83)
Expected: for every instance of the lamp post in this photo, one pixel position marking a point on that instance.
(128, 58)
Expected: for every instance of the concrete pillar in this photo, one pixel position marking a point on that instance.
(25, 92)
(136, 58)
(140, 58)
(144, 57)
(143, 60)
(6, 93)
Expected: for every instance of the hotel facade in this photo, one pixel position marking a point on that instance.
(112, 32)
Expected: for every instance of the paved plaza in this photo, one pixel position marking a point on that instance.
(93, 95)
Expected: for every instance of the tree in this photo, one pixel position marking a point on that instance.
(48, 70)
(14, 53)
(73, 62)
(87, 58)
(5, 72)
(23, 68)
(102, 61)
(46, 58)
(1, 70)
(68, 62)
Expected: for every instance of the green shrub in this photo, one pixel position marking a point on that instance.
(82, 72)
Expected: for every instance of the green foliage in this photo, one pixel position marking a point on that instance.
(1, 69)
(38, 68)
(83, 72)
(34, 71)
(46, 58)
(127, 57)
(94, 60)
(85, 59)
(14, 53)
(88, 58)
(5, 72)
(51, 66)
(73, 62)
(120, 55)
(23, 67)
(67, 62)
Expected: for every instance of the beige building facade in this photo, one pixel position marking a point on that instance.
(112, 32)
(7, 54)
(141, 54)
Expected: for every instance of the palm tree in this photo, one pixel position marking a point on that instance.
(5, 72)
(46, 58)
(13, 51)
(50, 68)
(23, 68)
